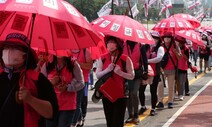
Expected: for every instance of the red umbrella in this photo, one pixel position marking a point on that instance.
(171, 25)
(96, 52)
(50, 25)
(204, 28)
(191, 35)
(123, 27)
(194, 22)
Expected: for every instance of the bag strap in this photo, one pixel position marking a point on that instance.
(143, 58)
(167, 51)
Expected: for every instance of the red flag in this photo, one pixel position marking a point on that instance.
(165, 5)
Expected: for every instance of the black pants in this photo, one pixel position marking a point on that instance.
(153, 91)
(187, 84)
(115, 112)
(84, 103)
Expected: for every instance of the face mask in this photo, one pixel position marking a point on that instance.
(13, 57)
(152, 45)
(204, 42)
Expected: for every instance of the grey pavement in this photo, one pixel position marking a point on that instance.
(95, 115)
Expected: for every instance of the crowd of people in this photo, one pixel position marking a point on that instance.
(169, 58)
(45, 90)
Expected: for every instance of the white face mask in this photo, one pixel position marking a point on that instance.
(13, 57)
(204, 42)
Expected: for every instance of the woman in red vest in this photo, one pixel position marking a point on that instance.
(169, 66)
(26, 96)
(154, 54)
(182, 66)
(113, 61)
(65, 75)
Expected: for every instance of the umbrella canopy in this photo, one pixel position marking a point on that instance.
(97, 51)
(123, 27)
(191, 35)
(172, 24)
(194, 22)
(49, 26)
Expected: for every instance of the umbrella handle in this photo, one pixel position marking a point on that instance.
(23, 80)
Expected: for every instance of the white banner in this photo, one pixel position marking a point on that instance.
(193, 4)
(134, 10)
(167, 13)
(116, 2)
(105, 10)
(151, 2)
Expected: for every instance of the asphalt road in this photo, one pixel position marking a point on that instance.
(95, 115)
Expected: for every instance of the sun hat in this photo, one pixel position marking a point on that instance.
(155, 34)
(18, 39)
(180, 39)
(167, 34)
(119, 41)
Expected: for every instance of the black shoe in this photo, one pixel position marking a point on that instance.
(187, 94)
(142, 110)
(170, 105)
(160, 105)
(81, 124)
(129, 120)
(135, 121)
(152, 112)
(200, 71)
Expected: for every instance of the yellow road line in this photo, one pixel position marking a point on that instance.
(165, 100)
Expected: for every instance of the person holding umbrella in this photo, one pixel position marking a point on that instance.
(204, 52)
(84, 59)
(115, 111)
(182, 66)
(155, 54)
(168, 65)
(67, 78)
(23, 91)
(136, 51)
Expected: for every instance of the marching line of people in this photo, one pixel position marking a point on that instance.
(168, 58)
(54, 89)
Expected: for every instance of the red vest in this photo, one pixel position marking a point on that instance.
(31, 117)
(66, 100)
(153, 55)
(82, 58)
(182, 62)
(170, 64)
(116, 77)
(134, 55)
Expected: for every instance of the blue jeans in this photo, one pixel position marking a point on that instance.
(78, 111)
(63, 119)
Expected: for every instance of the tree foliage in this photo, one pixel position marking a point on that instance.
(89, 9)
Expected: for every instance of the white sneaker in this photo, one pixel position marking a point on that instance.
(181, 97)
